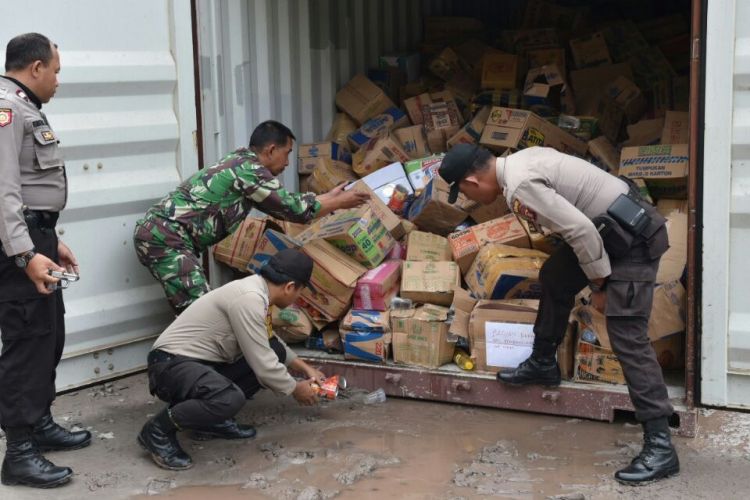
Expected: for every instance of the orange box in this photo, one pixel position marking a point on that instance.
(466, 244)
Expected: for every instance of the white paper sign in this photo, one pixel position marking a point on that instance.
(508, 344)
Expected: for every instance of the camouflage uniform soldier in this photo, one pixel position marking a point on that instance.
(211, 204)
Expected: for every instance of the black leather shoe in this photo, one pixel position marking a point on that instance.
(49, 436)
(159, 438)
(657, 460)
(25, 465)
(228, 429)
(532, 371)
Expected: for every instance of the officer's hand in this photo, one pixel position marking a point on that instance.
(38, 272)
(304, 393)
(67, 259)
(599, 300)
(350, 199)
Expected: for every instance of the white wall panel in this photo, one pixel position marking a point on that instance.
(125, 115)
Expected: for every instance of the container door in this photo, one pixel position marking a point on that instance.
(725, 338)
(125, 115)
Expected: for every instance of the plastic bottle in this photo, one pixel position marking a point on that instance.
(463, 360)
(375, 397)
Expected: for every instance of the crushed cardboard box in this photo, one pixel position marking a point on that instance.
(428, 282)
(505, 272)
(621, 103)
(379, 208)
(501, 333)
(237, 249)
(414, 141)
(391, 119)
(664, 168)
(366, 335)
(431, 211)
(361, 99)
(462, 306)
(309, 155)
(421, 246)
(546, 93)
(465, 245)
(420, 336)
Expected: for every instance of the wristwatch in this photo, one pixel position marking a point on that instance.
(23, 259)
(597, 288)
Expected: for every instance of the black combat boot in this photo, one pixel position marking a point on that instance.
(49, 436)
(25, 465)
(159, 437)
(541, 370)
(658, 458)
(228, 429)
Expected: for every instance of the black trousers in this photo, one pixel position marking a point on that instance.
(629, 291)
(32, 328)
(200, 393)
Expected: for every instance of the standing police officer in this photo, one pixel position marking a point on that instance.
(613, 243)
(32, 193)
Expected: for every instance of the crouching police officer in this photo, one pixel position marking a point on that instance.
(218, 353)
(613, 243)
(33, 191)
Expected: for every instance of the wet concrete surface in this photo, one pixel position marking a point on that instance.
(400, 449)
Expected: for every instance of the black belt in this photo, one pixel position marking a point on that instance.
(159, 356)
(41, 218)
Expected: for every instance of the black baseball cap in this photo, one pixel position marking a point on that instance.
(455, 165)
(292, 265)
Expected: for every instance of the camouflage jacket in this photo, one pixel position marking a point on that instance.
(210, 205)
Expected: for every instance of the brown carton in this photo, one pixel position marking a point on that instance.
(499, 71)
(309, 155)
(465, 245)
(501, 333)
(428, 282)
(291, 324)
(377, 153)
(390, 220)
(421, 246)
(446, 64)
(588, 83)
(543, 57)
(495, 210)
(604, 155)
(546, 93)
(645, 132)
(472, 131)
(361, 99)
(420, 336)
(590, 51)
(621, 103)
(676, 128)
(431, 212)
(518, 129)
(664, 168)
(414, 141)
(341, 127)
(595, 364)
(462, 306)
(665, 206)
(672, 263)
(540, 238)
(414, 107)
(329, 174)
(505, 272)
(237, 249)
(441, 121)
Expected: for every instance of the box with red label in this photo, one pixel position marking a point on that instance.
(466, 244)
(376, 288)
(516, 129)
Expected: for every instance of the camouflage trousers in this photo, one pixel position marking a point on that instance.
(172, 260)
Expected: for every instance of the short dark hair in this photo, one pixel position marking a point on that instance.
(278, 278)
(271, 132)
(481, 161)
(27, 48)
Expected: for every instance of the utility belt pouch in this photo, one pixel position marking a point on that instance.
(630, 214)
(617, 241)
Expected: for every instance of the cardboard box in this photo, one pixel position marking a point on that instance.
(409, 63)
(361, 99)
(590, 51)
(463, 87)
(366, 335)
(390, 220)
(676, 128)
(543, 57)
(421, 171)
(545, 92)
(292, 324)
(495, 210)
(541, 239)
(645, 132)
(269, 245)
(664, 168)
(462, 306)
(390, 119)
(501, 333)
(465, 245)
(499, 98)
(472, 131)
(499, 71)
(621, 103)
(309, 155)
(390, 80)
(420, 336)
(341, 127)
(668, 311)
(604, 155)
(431, 212)
(377, 153)
(237, 249)
(588, 83)
(382, 182)
(441, 121)
(329, 174)
(444, 28)
(665, 206)
(377, 286)
(429, 282)
(518, 129)
(505, 272)
(357, 232)
(421, 246)
(414, 107)
(334, 277)
(673, 262)
(670, 351)
(414, 141)
(595, 364)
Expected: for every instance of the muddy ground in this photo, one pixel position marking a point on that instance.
(399, 449)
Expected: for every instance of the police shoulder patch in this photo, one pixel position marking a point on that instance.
(6, 116)
(48, 136)
(523, 211)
